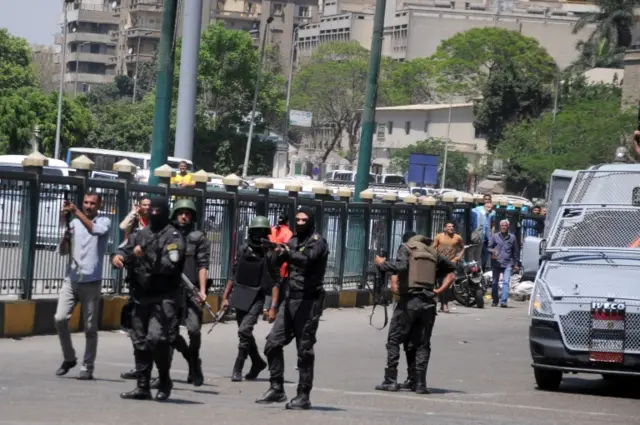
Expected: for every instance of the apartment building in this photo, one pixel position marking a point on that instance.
(89, 47)
(415, 29)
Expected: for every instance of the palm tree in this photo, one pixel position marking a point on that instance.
(597, 53)
(613, 21)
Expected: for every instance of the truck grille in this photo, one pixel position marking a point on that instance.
(575, 328)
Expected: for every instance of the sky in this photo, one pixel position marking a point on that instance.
(34, 20)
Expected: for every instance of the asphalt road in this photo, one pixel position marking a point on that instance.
(479, 374)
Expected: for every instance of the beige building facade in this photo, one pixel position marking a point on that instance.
(397, 127)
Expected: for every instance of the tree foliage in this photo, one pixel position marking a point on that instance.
(576, 140)
(457, 163)
(508, 96)
(613, 21)
(332, 85)
(469, 58)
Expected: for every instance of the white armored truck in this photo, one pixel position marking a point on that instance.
(585, 305)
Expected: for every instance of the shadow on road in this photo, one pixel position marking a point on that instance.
(617, 388)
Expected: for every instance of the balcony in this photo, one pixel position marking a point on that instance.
(131, 59)
(559, 7)
(83, 37)
(94, 13)
(103, 58)
(82, 77)
(143, 32)
(146, 6)
(232, 15)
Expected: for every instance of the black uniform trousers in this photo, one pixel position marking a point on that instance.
(246, 321)
(411, 325)
(297, 318)
(154, 327)
(191, 314)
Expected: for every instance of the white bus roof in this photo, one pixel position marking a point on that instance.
(140, 155)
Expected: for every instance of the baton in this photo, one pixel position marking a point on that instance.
(194, 291)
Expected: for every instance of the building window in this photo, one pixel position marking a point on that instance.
(407, 127)
(479, 134)
(303, 11)
(380, 132)
(276, 9)
(86, 88)
(426, 127)
(390, 127)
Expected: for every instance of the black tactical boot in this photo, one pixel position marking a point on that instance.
(300, 401)
(180, 344)
(236, 375)
(142, 390)
(130, 374)
(275, 394)
(421, 382)
(164, 390)
(198, 376)
(390, 382)
(410, 383)
(257, 364)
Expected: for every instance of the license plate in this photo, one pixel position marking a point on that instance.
(607, 332)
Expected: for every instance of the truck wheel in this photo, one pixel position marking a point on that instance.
(548, 380)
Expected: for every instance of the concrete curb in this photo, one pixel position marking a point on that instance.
(35, 317)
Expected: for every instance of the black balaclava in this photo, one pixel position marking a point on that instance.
(160, 218)
(257, 236)
(282, 219)
(306, 229)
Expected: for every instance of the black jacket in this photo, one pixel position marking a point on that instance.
(158, 273)
(306, 263)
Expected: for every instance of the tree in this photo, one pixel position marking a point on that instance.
(507, 97)
(227, 75)
(534, 148)
(469, 58)
(16, 70)
(410, 82)
(77, 122)
(457, 163)
(332, 86)
(613, 21)
(597, 53)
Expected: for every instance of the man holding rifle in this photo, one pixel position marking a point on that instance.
(196, 266)
(254, 276)
(156, 256)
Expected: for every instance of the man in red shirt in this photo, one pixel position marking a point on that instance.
(280, 233)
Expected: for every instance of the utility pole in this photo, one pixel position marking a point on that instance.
(446, 147)
(285, 131)
(164, 86)
(191, 26)
(63, 51)
(369, 112)
(255, 99)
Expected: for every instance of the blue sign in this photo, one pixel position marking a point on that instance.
(423, 169)
(316, 171)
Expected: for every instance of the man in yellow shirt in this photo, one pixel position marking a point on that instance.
(183, 178)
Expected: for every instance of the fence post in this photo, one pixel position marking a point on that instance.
(429, 201)
(201, 178)
(126, 170)
(410, 200)
(164, 174)
(33, 164)
(367, 197)
(83, 166)
(231, 184)
(263, 186)
(389, 198)
(293, 190)
(344, 193)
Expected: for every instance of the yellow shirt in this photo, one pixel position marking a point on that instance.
(179, 179)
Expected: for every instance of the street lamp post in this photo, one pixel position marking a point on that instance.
(294, 44)
(255, 99)
(56, 153)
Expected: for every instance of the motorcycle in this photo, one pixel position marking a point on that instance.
(470, 284)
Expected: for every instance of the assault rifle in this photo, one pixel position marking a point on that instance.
(379, 284)
(196, 293)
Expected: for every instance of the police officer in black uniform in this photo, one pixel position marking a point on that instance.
(254, 275)
(415, 313)
(298, 316)
(156, 257)
(195, 268)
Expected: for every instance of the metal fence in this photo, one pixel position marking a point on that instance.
(31, 228)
